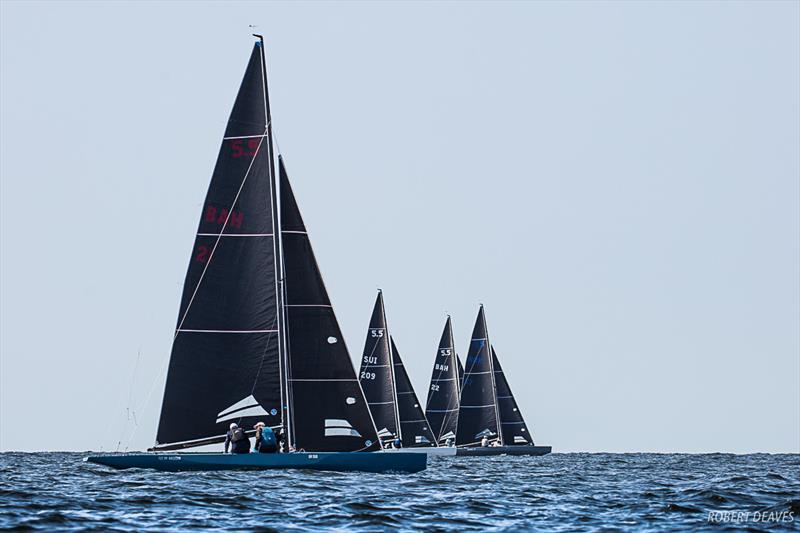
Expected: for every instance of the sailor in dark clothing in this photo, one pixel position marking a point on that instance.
(237, 439)
(397, 443)
(265, 439)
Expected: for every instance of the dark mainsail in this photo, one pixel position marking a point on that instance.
(512, 425)
(377, 374)
(257, 338)
(445, 388)
(224, 362)
(478, 416)
(329, 411)
(414, 427)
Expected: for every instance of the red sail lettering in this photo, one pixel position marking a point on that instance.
(202, 254)
(238, 150)
(222, 216)
(211, 213)
(252, 144)
(236, 219)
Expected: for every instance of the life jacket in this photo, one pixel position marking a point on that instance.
(268, 442)
(238, 434)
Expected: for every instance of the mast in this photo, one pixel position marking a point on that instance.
(494, 382)
(278, 255)
(391, 371)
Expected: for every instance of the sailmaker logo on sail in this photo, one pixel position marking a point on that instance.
(246, 407)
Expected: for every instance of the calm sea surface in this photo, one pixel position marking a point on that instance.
(565, 492)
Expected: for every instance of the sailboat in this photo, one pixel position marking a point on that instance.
(390, 395)
(257, 338)
(443, 394)
(488, 408)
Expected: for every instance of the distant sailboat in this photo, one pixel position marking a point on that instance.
(390, 396)
(257, 338)
(445, 388)
(488, 409)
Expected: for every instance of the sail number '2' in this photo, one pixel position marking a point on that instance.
(218, 216)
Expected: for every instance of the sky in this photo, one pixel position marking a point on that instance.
(618, 183)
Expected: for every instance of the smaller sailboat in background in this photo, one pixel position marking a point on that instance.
(391, 398)
(445, 389)
(488, 410)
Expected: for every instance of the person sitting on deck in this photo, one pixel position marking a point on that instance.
(237, 439)
(484, 441)
(265, 439)
(449, 443)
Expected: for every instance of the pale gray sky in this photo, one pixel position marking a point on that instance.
(619, 184)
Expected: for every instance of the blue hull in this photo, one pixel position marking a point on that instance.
(334, 461)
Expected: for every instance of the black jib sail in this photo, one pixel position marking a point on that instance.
(512, 425)
(478, 416)
(328, 409)
(224, 362)
(445, 389)
(377, 374)
(414, 427)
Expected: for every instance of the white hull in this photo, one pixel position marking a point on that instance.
(442, 451)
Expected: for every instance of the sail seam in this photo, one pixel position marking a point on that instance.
(243, 137)
(323, 379)
(228, 330)
(236, 235)
(477, 406)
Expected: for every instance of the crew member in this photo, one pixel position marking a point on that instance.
(265, 439)
(237, 440)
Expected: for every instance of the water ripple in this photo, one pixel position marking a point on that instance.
(559, 492)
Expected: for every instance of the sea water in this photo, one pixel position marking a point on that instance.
(558, 492)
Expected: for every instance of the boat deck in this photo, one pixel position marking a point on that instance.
(333, 461)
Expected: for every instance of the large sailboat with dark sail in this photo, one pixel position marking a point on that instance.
(257, 339)
(489, 419)
(389, 393)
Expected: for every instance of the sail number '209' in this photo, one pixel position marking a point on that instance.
(368, 375)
